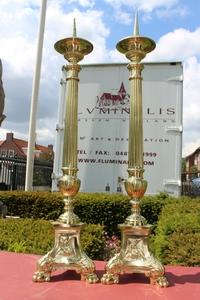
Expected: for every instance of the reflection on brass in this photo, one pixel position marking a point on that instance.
(67, 253)
(134, 256)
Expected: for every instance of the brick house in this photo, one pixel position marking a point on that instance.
(192, 166)
(13, 147)
(193, 160)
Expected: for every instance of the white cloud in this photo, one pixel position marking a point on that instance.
(84, 3)
(190, 147)
(179, 44)
(191, 111)
(46, 131)
(181, 11)
(163, 8)
(18, 36)
(18, 51)
(123, 17)
(143, 4)
(183, 45)
(116, 56)
(17, 134)
(89, 26)
(18, 54)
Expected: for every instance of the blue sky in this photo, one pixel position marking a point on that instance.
(173, 24)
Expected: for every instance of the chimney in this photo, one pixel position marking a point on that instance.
(9, 136)
(50, 148)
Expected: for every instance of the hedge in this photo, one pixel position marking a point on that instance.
(177, 239)
(111, 210)
(98, 208)
(104, 209)
(37, 237)
(37, 205)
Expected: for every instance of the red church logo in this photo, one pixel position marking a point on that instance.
(108, 99)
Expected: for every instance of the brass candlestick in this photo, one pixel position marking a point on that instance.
(67, 253)
(134, 256)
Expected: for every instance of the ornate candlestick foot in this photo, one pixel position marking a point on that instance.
(67, 255)
(110, 278)
(135, 257)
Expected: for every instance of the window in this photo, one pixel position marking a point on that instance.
(3, 153)
(11, 153)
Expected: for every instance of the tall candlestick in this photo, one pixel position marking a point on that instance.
(67, 253)
(134, 255)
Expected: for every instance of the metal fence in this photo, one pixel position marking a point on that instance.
(189, 186)
(186, 188)
(13, 171)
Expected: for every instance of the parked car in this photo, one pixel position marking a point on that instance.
(195, 186)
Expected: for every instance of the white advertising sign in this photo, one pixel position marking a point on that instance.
(103, 122)
(103, 126)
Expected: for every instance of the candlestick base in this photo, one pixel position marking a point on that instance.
(135, 257)
(66, 254)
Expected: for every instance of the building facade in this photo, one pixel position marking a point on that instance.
(13, 164)
(192, 161)
(12, 147)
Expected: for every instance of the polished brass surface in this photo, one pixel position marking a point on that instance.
(73, 52)
(135, 48)
(67, 253)
(134, 256)
(69, 186)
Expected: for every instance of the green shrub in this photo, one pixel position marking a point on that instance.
(151, 207)
(37, 205)
(104, 209)
(26, 235)
(93, 241)
(177, 239)
(112, 209)
(37, 237)
(97, 208)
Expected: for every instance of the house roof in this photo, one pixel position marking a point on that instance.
(21, 144)
(42, 148)
(20, 147)
(24, 144)
(195, 151)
